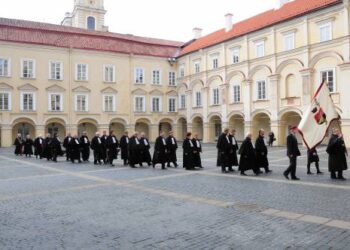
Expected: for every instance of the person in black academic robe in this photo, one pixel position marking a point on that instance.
(66, 143)
(172, 147)
(292, 152)
(112, 148)
(56, 148)
(188, 153)
(75, 149)
(224, 146)
(18, 145)
(85, 147)
(47, 151)
(337, 154)
(124, 148)
(135, 156)
(160, 151)
(96, 146)
(197, 152)
(145, 148)
(271, 138)
(28, 146)
(233, 160)
(38, 147)
(247, 159)
(104, 138)
(312, 156)
(261, 152)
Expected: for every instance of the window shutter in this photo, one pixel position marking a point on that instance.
(34, 102)
(50, 105)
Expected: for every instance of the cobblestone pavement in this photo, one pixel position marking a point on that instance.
(45, 205)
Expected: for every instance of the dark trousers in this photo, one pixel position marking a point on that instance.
(292, 166)
(340, 174)
(97, 156)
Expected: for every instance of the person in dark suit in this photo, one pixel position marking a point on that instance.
(145, 148)
(172, 147)
(104, 156)
(56, 148)
(18, 145)
(75, 149)
(135, 156)
(66, 143)
(312, 156)
(337, 155)
(197, 152)
(47, 151)
(271, 138)
(160, 151)
(112, 148)
(188, 153)
(247, 159)
(85, 147)
(292, 152)
(38, 147)
(224, 146)
(28, 146)
(261, 152)
(124, 148)
(96, 146)
(233, 160)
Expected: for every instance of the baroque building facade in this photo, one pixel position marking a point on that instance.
(258, 73)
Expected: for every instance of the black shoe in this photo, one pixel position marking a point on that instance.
(244, 174)
(333, 177)
(80, 161)
(268, 171)
(231, 170)
(310, 173)
(285, 175)
(295, 179)
(319, 172)
(341, 178)
(112, 165)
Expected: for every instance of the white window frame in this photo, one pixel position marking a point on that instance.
(215, 63)
(196, 67)
(235, 55)
(22, 101)
(33, 70)
(105, 79)
(50, 70)
(9, 100)
(104, 96)
(86, 73)
(334, 78)
(156, 79)
(257, 90)
(86, 102)
(182, 101)
(258, 44)
(198, 102)
(160, 104)
(50, 94)
(289, 44)
(326, 25)
(172, 98)
(144, 104)
(182, 71)
(236, 95)
(215, 99)
(172, 78)
(136, 75)
(8, 67)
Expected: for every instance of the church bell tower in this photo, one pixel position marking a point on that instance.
(87, 14)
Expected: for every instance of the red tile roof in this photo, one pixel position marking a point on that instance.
(263, 20)
(21, 31)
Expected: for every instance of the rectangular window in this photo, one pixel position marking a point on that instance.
(261, 90)
(56, 71)
(82, 72)
(156, 104)
(325, 32)
(156, 77)
(260, 48)
(4, 67)
(108, 73)
(197, 67)
(236, 93)
(5, 101)
(215, 63)
(198, 99)
(235, 55)
(172, 78)
(182, 71)
(139, 76)
(182, 101)
(108, 103)
(289, 41)
(139, 104)
(172, 104)
(28, 68)
(81, 103)
(329, 77)
(215, 96)
(55, 102)
(27, 102)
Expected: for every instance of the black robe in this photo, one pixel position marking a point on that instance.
(337, 154)
(197, 153)
(124, 143)
(47, 149)
(135, 156)
(96, 146)
(223, 145)
(28, 147)
(247, 152)
(261, 153)
(172, 147)
(85, 147)
(112, 147)
(75, 149)
(160, 151)
(38, 146)
(233, 160)
(145, 148)
(19, 146)
(56, 147)
(66, 144)
(188, 154)
(104, 147)
(312, 156)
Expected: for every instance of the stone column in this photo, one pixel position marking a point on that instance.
(276, 127)
(248, 127)
(154, 132)
(274, 96)
(247, 99)
(40, 130)
(306, 75)
(189, 105)
(224, 89)
(206, 132)
(6, 136)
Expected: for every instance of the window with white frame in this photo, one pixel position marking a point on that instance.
(81, 103)
(156, 104)
(81, 72)
(5, 101)
(56, 70)
(215, 63)
(172, 104)
(182, 101)
(109, 103)
(140, 104)
(215, 100)
(108, 73)
(172, 78)
(28, 68)
(182, 71)
(329, 76)
(156, 77)
(260, 48)
(235, 55)
(198, 99)
(55, 102)
(325, 31)
(139, 75)
(4, 67)
(236, 93)
(197, 67)
(27, 101)
(261, 90)
(289, 41)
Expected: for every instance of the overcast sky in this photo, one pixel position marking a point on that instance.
(165, 19)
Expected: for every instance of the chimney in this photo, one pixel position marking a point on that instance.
(197, 33)
(228, 22)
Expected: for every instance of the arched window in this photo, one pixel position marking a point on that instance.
(91, 24)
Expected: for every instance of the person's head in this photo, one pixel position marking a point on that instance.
(171, 133)
(188, 135)
(69, 135)
(111, 133)
(336, 131)
(233, 132)
(226, 130)
(291, 129)
(104, 132)
(126, 133)
(161, 133)
(48, 135)
(142, 134)
(97, 134)
(55, 135)
(249, 135)
(40, 136)
(84, 133)
(75, 136)
(19, 135)
(262, 132)
(28, 136)
(136, 134)
(196, 136)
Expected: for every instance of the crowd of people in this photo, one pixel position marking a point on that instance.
(135, 151)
